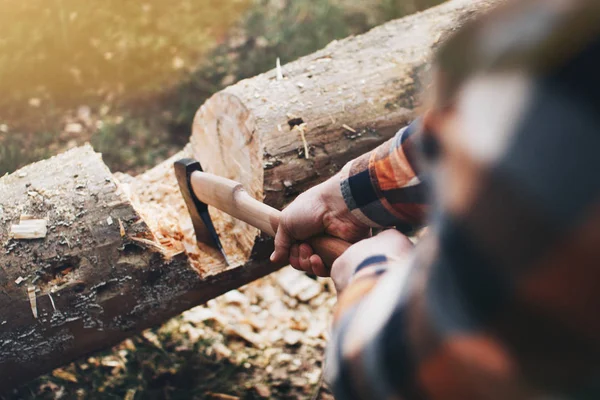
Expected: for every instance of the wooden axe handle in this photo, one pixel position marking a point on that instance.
(230, 197)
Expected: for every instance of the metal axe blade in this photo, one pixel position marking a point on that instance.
(198, 210)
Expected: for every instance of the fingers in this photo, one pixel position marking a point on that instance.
(283, 242)
(305, 253)
(305, 260)
(295, 256)
(318, 267)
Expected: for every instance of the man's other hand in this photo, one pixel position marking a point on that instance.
(390, 243)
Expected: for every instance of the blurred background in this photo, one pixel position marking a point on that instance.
(128, 77)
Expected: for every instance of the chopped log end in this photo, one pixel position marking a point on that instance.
(225, 142)
(155, 195)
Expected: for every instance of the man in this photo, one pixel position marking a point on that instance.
(500, 299)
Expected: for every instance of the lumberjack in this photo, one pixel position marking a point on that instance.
(500, 300)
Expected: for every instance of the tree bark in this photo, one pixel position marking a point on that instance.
(119, 253)
(101, 274)
(284, 131)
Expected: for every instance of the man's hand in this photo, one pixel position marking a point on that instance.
(321, 209)
(391, 243)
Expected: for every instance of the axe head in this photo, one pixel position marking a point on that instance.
(203, 225)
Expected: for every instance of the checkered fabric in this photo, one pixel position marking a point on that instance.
(502, 297)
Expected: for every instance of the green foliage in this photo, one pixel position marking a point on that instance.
(270, 29)
(63, 51)
(154, 62)
(131, 144)
(17, 150)
(397, 8)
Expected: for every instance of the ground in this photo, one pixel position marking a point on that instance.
(265, 340)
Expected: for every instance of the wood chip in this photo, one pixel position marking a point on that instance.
(19, 280)
(310, 292)
(28, 228)
(349, 128)
(292, 338)
(294, 283)
(64, 375)
(199, 314)
(32, 300)
(130, 395)
(262, 390)
(147, 242)
(121, 228)
(245, 332)
(236, 297)
(221, 350)
(279, 70)
(221, 396)
(301, 129)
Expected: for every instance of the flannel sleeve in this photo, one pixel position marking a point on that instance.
(408, 329)
(383, 188)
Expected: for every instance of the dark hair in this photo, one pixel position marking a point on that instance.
(535, 36)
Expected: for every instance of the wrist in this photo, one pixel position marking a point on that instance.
(336, 203)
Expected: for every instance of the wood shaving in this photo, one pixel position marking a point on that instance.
(28, 228)
(221, 396)
(121, 228)
(147, 242)
(32, 300)
(52, 301)
(279, 70)
(301, 129)
(64, 375)
(349, 128)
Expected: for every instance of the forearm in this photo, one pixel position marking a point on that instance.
(355, 363)
(383, 188)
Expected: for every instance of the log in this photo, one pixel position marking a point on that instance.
(284, 131)
(100, 273)
(109, 255)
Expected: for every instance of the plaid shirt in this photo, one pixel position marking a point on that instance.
(502, 298)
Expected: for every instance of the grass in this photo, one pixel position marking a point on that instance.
(151, 63)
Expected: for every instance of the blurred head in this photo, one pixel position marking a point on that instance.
(512, 132)
(489, 75)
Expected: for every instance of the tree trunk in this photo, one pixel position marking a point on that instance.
(117, 254)
(284, 131)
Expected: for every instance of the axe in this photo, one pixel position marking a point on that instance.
(201, 189)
